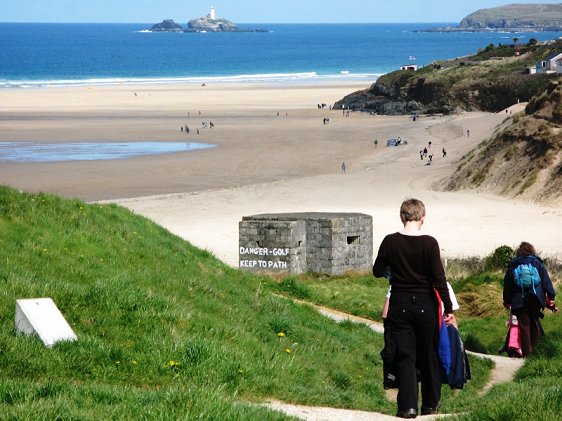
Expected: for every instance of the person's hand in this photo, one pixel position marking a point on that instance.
(551, 305)
(449, 318)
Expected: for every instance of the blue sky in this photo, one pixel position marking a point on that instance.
(246, 11)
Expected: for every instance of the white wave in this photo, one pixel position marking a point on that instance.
(259, 77)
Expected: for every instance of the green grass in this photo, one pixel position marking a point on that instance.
(159, 319)
(359, 295)
(536, 392)
(166, 331)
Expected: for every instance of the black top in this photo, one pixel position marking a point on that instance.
(415, 265)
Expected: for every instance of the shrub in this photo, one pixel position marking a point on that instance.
(500, 258)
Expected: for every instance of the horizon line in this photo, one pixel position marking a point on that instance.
(243, 23)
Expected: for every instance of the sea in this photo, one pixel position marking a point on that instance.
(56, 54)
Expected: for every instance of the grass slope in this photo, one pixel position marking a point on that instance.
(535, 395)
(165, 330)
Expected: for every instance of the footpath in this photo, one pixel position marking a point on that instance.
(504, 371)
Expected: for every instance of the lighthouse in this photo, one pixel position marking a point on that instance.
(212, 13)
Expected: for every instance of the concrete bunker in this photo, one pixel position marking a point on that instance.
(295, 243)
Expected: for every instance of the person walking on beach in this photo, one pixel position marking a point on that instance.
(343, 167)
(444, 152)
(467, 133)
(414, 262)
(526, 302)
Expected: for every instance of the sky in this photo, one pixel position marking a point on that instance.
(246, 11)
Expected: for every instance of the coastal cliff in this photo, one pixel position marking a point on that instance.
(533, 17)
(510, 18)
(523, 158)
(490, 80)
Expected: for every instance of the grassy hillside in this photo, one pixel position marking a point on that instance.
(490, 80)
(165, 330)
(512, 16)
(535, 395)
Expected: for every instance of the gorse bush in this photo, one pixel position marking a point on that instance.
(500, 258)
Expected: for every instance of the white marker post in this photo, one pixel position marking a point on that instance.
(41, 316)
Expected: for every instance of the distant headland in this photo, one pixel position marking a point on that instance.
(209, 23)
(510, 18)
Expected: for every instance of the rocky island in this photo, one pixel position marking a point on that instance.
(167, 25)
(510, 18)
(209, 23)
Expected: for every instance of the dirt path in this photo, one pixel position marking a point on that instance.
(504, 370)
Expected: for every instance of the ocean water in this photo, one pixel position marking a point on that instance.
(89, 151)
(47, 54)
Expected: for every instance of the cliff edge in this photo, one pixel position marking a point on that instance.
(535, 17)
(491, 80)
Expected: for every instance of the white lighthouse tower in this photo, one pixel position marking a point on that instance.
(212, 13)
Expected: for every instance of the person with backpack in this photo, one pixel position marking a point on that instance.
(527, 290)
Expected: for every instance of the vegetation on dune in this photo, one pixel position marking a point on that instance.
(490, 80)
(523, 158)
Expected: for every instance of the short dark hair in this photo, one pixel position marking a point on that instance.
(525, 249)
(412, 210)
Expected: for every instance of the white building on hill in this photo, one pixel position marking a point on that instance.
(212, 14)
(551, 64)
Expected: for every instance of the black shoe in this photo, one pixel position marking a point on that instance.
(407, 413)
(428, 411)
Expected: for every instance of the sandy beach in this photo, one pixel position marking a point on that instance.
(274, 154)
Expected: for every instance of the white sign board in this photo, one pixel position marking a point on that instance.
(41, 316)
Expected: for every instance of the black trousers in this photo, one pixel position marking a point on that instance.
(414, 325)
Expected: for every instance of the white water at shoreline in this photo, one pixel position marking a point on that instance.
(343, 76)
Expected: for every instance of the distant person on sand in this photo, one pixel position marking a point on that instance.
(467, 133)
(444, 153)
(527, 303)
(343, 167)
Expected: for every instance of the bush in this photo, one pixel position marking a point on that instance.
(500, 258)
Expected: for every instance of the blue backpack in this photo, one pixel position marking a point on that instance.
(526, 276)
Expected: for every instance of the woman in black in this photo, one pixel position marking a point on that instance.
(413, 318)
